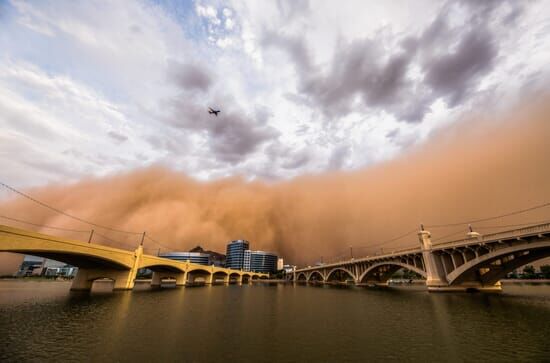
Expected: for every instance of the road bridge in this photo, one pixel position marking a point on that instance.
(477, 262)
(98, 262)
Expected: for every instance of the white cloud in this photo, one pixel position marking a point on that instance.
(97, 87)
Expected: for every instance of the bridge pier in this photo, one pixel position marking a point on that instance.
(159, 276)
(84, 279)
(435, 271)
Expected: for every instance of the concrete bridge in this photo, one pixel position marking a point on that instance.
(477, 262)
(97, 262)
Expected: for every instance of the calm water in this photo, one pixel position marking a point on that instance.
(43, 321)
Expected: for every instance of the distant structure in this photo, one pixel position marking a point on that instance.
(39, 266)
(241, 257)
(193, 257)
(197, 255)
(289, 268)
(216, 259)
(235, 254)
(260, 261)
(280, 264)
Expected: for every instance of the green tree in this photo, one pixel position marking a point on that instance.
(528, 272)
(545, 269)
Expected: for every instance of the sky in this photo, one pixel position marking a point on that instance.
(96, 88)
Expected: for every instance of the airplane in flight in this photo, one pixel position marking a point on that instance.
(212, 111)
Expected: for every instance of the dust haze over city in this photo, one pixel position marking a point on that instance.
(349, 153)
(344, 128)
(474, 169)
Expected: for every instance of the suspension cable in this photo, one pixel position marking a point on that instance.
(65, 213)
(42, 225)
(491, 218)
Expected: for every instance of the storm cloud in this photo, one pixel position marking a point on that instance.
(405, 75)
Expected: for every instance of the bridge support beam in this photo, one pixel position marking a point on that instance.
(435, 273)
(84, 279)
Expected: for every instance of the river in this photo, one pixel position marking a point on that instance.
(41, 321)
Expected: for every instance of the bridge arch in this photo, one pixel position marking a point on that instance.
(301, 277)
(220, 275)
(491, 267)
(382, 271)
(335, 271)
(315, 276)
(199, 274)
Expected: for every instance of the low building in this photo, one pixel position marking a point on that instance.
(289, 269)
(64, 271)
(280, 264)
(193, 257)
(216, 259)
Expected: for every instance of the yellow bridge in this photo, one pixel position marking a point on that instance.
(97, 262)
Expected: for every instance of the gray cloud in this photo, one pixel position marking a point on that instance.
(454, 74)
(392, 134)
(117, 136)
(339, 156)
(291, 9)
(231, 136)
(452, 60)
(189, 76)
(296, 160)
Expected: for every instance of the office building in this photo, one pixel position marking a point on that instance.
(260, 261)
(193, 257)
(234, 258)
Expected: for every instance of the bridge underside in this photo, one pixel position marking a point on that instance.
(77, 260)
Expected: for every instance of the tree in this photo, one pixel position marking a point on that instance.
(545, 269)
(528, 272)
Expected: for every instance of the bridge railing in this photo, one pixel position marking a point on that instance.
(493, 237)
(401, 252)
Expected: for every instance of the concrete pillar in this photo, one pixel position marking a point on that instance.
(157, 279)
(435, 276)
(138, 253)
(210, 278)
(182, 279)
(81, 282)
(84, 279)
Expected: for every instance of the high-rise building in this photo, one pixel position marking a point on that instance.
(261, 261)
(235, 254)
(246, 263)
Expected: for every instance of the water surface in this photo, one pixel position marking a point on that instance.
(44, 322)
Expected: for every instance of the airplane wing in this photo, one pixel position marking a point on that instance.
(210, 109)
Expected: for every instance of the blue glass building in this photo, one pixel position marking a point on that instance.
(193, 257)
(234, 258)
(261, 261)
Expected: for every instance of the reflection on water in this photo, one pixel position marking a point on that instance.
(43, 321)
